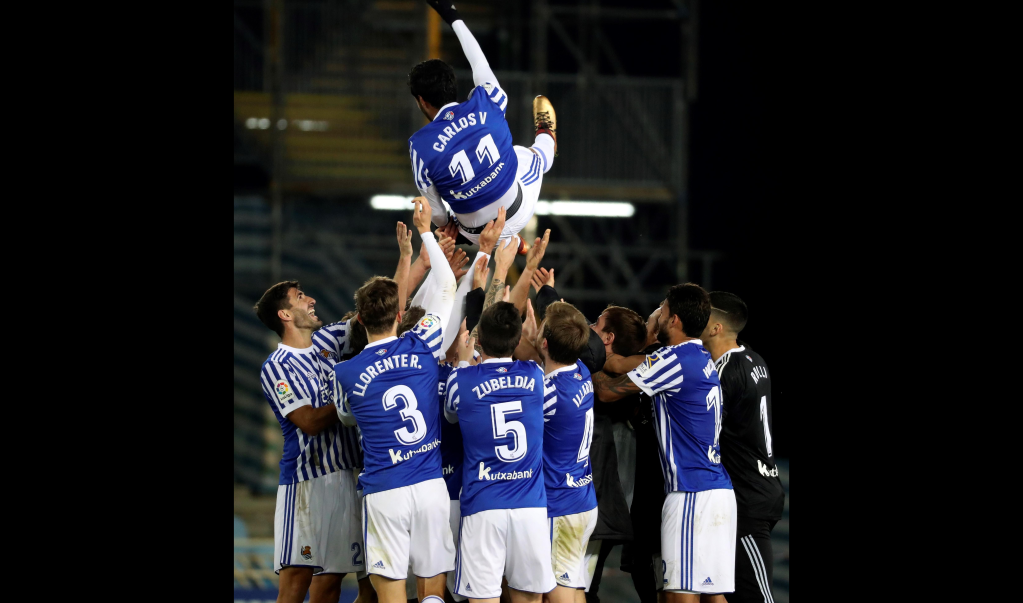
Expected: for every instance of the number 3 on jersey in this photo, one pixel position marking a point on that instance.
(401, 394)
(486, 149)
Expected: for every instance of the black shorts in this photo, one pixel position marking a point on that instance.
(754, 561)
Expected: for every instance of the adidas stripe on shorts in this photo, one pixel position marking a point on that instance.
(569, 537)
(408, 525)
(514, 543)
(698, 542)
(317, 523)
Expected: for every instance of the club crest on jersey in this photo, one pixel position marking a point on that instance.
(450, 115)
(578, 376)
(325, 353)
(748, 358)
(307, 552)
(501, 369)
(381, 352)
(427, 322)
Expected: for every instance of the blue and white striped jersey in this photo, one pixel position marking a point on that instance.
(294, 377)
(499, 405)
(450, 440)
(467, 151)
(333, 338)
(567, 435)
(390, 388)
(683, 382)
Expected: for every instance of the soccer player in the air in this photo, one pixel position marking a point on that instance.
(390, 391)
(317, 523)
(498, 405)
(567, 435)
(465, 154)
(698, 519)
(747, 450)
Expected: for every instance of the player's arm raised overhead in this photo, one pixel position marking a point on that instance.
(401, 274)
(520, 292)
(481, 72)
(440, 302)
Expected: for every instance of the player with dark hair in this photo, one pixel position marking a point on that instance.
(698, 519)
(747, 450)
(465, 155)
(498, 405)
(621, 330)
(390, 391)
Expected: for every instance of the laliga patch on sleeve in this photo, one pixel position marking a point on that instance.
(427, 322)
(488, 87)
(283, 391)
(647, 363)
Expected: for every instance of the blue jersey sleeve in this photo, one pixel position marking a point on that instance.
(658, 372)
(431, 330)
(550, 399)
(283, 387)
(332, 337)
(451, 398)
(495, 94)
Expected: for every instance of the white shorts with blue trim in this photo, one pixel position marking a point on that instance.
(698, 542)
(570, 535)
(454, 517)
(529, 176)
(408, 525)
(514, 543)
(317, 524)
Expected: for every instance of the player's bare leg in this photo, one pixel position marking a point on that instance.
(325, 588)
(294, 584)
(366, 592)
(693, 598)
(388, 590)
(564, 594)
(431, 587)
(521, 596)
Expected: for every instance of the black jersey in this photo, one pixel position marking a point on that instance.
(746, 447)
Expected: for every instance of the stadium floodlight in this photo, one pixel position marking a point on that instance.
(593, 209)
(596, 209)
(392, 202)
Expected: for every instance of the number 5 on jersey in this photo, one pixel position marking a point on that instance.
(503, 429)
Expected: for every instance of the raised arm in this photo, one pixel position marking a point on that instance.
(504, 256)
(481, 71)
(443, 297)
(520, 293)
(404, 263)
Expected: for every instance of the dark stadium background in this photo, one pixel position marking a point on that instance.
(744, 150)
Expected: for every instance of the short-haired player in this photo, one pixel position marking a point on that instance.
(390, 391)
(568, 433)
(317, 532)
(498, 405)
(698, 519)
(747, 449)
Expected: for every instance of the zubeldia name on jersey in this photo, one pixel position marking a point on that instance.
(456, 127)
(401, 360)
(486, 387)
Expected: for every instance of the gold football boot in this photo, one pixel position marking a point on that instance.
(544, 119)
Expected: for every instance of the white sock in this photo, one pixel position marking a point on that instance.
(544, 145)
(433, 599)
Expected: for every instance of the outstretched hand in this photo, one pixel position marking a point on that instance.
(466, 347)
(479, 276)
(542, 277)
(449, 230)
(446, 10)
(404, 240)
(505, 254)
(490, 234)
(457, 260)
(536, 252)
(421, 214)
(529, 328)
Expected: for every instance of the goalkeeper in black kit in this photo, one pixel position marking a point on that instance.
(747, 449)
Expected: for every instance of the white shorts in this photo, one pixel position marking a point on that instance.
(570, 535)
(531, 171)
(408, 525)
(317, 523)
(698, 542)
(410, 585)
(590, 561)
(514, 543)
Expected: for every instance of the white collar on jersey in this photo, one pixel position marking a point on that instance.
(741, 348)
(497, 360)
(441, 110)
(281, 346)
(381, 341)
(572, 367)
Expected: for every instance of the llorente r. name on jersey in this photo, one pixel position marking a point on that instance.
(291, 378)
(567, 435)
(391, 390)
(500, 411)
(466, 151)
(683, 383)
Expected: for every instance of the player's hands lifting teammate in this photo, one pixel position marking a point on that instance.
(529, 328)
(457, 261)
(479, 276)
(490, 234)
(505, 254)
(449, 230)
(542, 277)
(466, 345)
(536, 252)
(446, 10)
(421, 215)
(404, 240)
